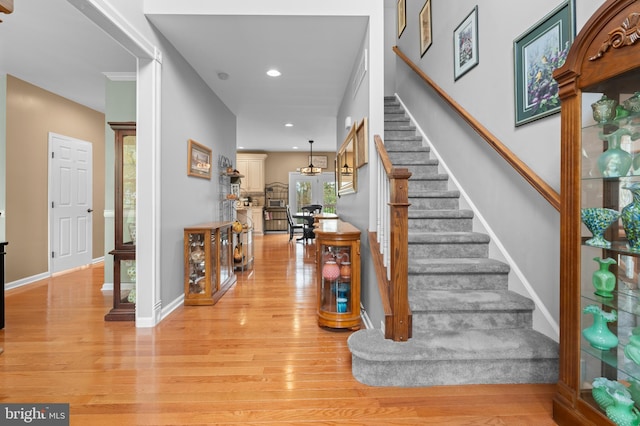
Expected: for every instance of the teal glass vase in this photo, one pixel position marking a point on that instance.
(614, 162)
(630, 216)
(598, 335)
(603, 279)
(622, 412)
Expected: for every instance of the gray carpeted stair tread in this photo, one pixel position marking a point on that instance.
(412, 160)
(393, 118)
(439, 176)
(409, 151)
(434, 301)
(416, 193)
(410, 148)
(447, 237)
(394, 142)
(440, 214)
(498, 344)
(457, 266)
(407, 127)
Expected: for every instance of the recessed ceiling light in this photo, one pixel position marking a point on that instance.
(274, 73)
(288, 125)
(294, 147)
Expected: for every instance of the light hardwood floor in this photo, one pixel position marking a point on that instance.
(256, 357)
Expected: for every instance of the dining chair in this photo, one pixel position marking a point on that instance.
(293, 225)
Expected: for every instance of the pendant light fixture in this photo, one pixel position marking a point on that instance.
(311, 170)
(346, 170)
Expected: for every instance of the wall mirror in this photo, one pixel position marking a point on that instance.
(345, 164)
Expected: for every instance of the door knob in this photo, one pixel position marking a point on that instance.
(89, 210)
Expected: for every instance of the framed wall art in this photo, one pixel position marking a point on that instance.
(537, 53)
(361, 144)
(425, 28)
(465, 45)
(402, 16)
(319, 161)
(199, 160)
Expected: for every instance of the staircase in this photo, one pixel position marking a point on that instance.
(468, 328)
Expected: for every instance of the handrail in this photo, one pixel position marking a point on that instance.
(389, 245)
(529, 175)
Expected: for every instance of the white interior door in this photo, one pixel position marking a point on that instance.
(70, 193)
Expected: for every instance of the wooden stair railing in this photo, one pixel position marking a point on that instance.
(389, 247)
(529, 175)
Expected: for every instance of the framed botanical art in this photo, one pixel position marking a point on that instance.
(199, 160)
(402, 16)
(361, 143)
(465, 45)
(537, 53)
(425, 27)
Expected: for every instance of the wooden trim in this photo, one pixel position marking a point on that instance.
(394, 292)
(529, 175)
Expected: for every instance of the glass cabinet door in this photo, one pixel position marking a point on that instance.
(335, 283)
(197, 263)
(129, 189)
(610, 250)
(226, 260)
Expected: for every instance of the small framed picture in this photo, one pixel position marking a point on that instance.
(318, 161)
(537, 53)
(402, 16)
(199, 160)
(465, 45)
(425, 28)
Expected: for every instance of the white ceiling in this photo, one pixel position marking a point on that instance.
(49, 43)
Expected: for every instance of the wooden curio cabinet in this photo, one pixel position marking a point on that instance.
(338, 263)
(208, 262)
(599, 85)
(124, 253)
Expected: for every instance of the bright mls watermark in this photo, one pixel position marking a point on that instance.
(34, 414)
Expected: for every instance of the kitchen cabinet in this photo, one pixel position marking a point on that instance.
(251, 166)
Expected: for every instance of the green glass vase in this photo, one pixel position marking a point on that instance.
(603, 279)
(622, 412)
(614, 162)
(598, 335)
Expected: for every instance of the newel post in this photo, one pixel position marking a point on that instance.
(398, 327)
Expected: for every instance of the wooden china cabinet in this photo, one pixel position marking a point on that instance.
(602, 67)
(208, 262)
(124, 252)
(338, 263)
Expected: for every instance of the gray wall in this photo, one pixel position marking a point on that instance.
(521, 220)
(189, 110)
(354, 208)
